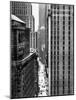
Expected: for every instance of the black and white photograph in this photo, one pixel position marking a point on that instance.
(42, 49)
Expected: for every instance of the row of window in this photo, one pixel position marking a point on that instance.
(20, 12)
(60, 7)
(58, 47)
(61, 12)
(57, 71)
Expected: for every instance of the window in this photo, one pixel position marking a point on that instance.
(57, 42)
(54, 6)
(57, 56)
(63, 67)
(63, 42)
(58, 13)
(68, 67)
(63, 18)
(57, 47)
(64, 27)
(57, 52)
(69, 12)
(63, 37)
(68, 27)
(69, 42)
(63, 47)
(57, 21)
(69, 7)
(63, 53)
(63, 12)
(69, 62)
(63, 22)
(63, 7)
(69, 18)
(68, 52)
(69, 47)
(55, 37)
(69, 23)
(54, 12)
(58, 7)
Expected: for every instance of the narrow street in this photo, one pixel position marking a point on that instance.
(42, 79)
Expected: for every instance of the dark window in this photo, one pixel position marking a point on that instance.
(54, 53)
(63, 47)
(57, 42)
(68, 52)
(63, 22)
(63, 67)
(54, 6)
(58, 13)
(63, 53)
(63, 17)
(58, 7)
(54, 17)
(57, 62)
(57, 47)
(69, 7)
(69, 23)
(69, 72)
(63, 62)
(63, 7)
(58, 22)
(63, 12)
(57, 52)
(63, 32)
(69, 47)
(51, 42)
(69, 12)
(68, 62)
(54, 12)
(63, 27)
(68, 27)
(69, 42)
(63, 57)
(69, 32)
(54, 42)
(63, 42)
(63, 37)
(69, 18)
(57, 57)
(69, 67)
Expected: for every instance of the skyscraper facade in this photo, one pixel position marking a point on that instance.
(61, 46)
(57, 31)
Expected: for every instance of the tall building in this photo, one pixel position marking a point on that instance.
(60, 43)
(56, 27)
(23, 11)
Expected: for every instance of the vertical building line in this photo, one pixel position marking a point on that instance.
(58, 50)
(73, 49)
(49, 46)
(51, 49)
(55, 45)
(63, 49)
(32, 41)
(69, 31)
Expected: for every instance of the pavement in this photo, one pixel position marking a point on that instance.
(42, 80)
